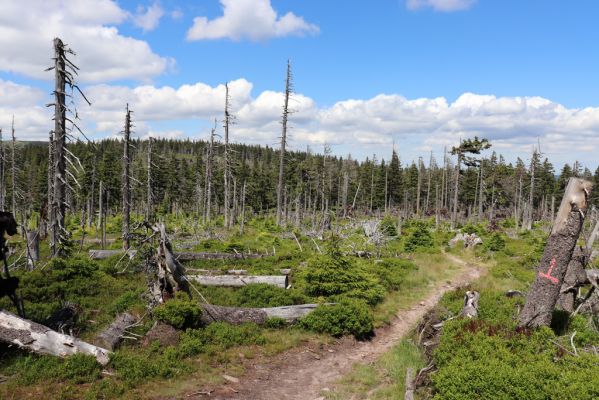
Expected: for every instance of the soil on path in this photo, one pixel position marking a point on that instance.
(304, 373)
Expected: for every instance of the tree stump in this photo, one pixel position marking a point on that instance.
(545, 290)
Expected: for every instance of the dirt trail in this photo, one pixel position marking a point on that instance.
(303, 373)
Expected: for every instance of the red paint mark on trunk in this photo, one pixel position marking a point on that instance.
(548, 274)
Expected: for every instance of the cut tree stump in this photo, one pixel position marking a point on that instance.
(38, 338)
(470, 308)
(545, 290)
(113, 334)
(239, 280)
(240, 315)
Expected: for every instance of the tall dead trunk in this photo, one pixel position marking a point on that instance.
(545, 290)
(454, 215)
(242, 221)
(227, 166)
(208, 183)
(419, 186)
(126, 179)
(2, 183)
(530, 215)
(286, 112)
(92, 207)
(13, 167)
(59, 235)
(149, 194)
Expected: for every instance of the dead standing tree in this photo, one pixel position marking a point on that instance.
(126, 179)
(545, 290)
(227, 121)
(208, 183)
(286, 112)
(64, 71)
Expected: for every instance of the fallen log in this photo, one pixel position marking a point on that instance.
(239, 280)
(103, 254)
(544, 292)
(241, 315)
(191, 256)
(180, 256)
(113, 334)
(196, 271)
(41, 339)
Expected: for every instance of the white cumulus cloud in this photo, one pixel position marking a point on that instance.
(249, 19)
(440, 5)
(26, 35)
(148, 18)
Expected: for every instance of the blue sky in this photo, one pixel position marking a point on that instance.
(417, 73)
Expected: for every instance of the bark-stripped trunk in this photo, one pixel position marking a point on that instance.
(126, 179)
(241, 315)
(280, 185)
(2, 183)
(208, 183)
(59, 235)
(545, 290)
(239, 280)
(38, 338)
(13, 162)
(227, 171)
(454, 214)
(149, 195)
(113, 334)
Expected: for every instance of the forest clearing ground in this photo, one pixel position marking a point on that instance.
(308, 373)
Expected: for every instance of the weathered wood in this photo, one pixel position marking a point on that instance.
(33, 248)
(574, 278)
(195, 271)
(240, 315)
(41, 339)
(191, 256)
(180, 256)
(545, 290)
(409, 393)
(239, 280)
(103, 254)
(113, 334)
(470, 309)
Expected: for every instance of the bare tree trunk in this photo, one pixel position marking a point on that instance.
(428, 185)
(13, 163)
(242, 222)
(101, 214)
(2, 183)
(544, 292)
(41, 339)
(126, 180)
(286, 112)
(227, 170)
(59, 235)
(480, 191)
(92, 207)
(454, 215)
(531, 208)
(33, 248)
(113, 334)
(208, 183)
(419, 186)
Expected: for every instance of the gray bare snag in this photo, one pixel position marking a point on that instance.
(286, 112)
(545, 290)
(126, 179)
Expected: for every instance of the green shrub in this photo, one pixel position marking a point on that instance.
(335, 276)
(388, 226)
(348, 317)
(81, 368)
(419, 238)
(275, 323)
(135, 365)
(265, 295)
(217, 337)
(470, 228)
(392, 272)
(495, 242)
(179, 312)
(482, 360)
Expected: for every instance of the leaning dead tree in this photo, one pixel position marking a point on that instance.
(64, 72)
(545, 290)
(126, 178)
(286, 112)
